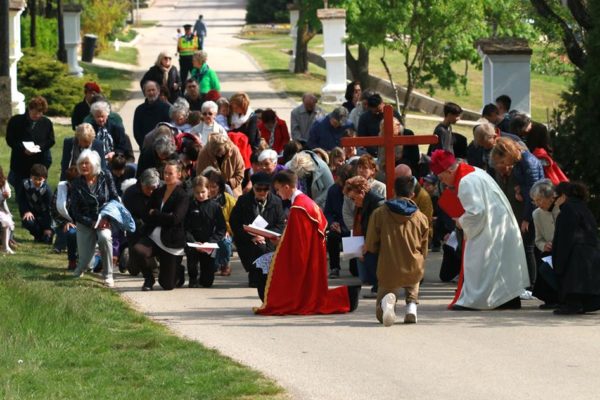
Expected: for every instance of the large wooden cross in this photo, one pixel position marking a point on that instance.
(389, 142)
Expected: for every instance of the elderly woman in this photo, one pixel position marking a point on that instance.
(484, 138)
(32, 126)
(208, 124)
(222, 154)
(178, 113)
(365, 201)
(314, 176)
(206, 77)
(89, 193)
(576, 251)
(516, 172)
(164, 225)
(136, 199)
(85, 138)
(243, 118)
(166, 74)
(111, 135)
(162, 150)
(543, 196)
(273, 130)
(268, 162)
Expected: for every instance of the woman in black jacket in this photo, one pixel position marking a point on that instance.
(165, 74)
(111, 135)
(89, 193)
(167, 209)
(576, 251)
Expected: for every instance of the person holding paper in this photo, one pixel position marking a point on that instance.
(398, 233)
(494, 270)
(259, 201)
(204, 225)
(297, 279)
(32, 126)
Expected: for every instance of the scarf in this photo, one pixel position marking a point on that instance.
(238, 120)
(106, 139)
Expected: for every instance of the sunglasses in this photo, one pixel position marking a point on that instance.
(261, 189)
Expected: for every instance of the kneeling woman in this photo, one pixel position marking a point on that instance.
(167, 208)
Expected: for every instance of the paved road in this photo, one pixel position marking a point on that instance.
(526, 354)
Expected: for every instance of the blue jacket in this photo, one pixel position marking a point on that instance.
(527, 172)
(117, 213)
(334, 205)
(323, 135)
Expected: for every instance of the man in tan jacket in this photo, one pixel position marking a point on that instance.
(398, 232)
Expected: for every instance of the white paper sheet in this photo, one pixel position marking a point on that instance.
(452, 240)
(259, 222)
(204, 246)
(548, 260)
(353, 246)
(32, 147)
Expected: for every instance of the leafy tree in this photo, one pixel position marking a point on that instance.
(308, 26)
(260, 11)
(103, 17)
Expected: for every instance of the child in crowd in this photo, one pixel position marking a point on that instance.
(34, 204)
(337, 158)
(6, 219)
(222, 117)
(204, 223)
(66, 231)
(216, 191)
(121, 171)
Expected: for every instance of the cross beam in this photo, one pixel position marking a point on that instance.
(388, 141)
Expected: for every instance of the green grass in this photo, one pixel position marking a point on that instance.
(266, 46)
(119, 80)
(126, 35)
(125, 55)
(146, 24)
(64, 338)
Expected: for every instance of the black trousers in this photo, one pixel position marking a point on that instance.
(143, 255)
(248, 254)
(185, 66)
(334, 248)
(207, 267)
(529, 244)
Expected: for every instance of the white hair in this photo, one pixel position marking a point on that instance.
(302, 164)
(210, 106)
(93, 157)
(100, 106)
(181, 106)
(268, 154)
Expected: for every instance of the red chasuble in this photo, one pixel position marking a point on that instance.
(297, 281)
(454, 209)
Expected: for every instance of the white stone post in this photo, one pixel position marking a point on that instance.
(294, 16)
(72, 21)
(506, 70)
(334, 53)
(16, 8)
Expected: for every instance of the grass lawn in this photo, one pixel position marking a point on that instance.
(125, 55)
(266, 48)
(127, 35)
(119, 80)
(74, 339)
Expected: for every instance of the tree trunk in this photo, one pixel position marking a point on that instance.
(32, 27)
(301, 62)
(359, 67)
(48, 10)
(62, 50)
(394, 88)
(409, 89)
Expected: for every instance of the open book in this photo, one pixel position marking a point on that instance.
(255, 230)
(32, 147)
(203, 246)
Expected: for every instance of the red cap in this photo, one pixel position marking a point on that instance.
(92, 87)
(441, 160)
(212, 95)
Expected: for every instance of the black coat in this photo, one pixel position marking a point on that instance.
(121, 143)
(80, 111)
(171, 217)
(67, 155)
(146, 117)
(85, 204)
(205, 222)
(246, 210)
(371, 202)
(21, 129)
(250, 129)
(173, 83)
(137, 203)
(575, 250)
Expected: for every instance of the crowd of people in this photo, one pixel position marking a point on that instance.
(214, 174)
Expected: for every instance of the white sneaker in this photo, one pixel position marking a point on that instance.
(388, 305)
(411, 314)
(109, 282)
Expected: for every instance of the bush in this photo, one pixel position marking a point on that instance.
(260, 11)
(103, 18)
(40, 74)
(46, 34)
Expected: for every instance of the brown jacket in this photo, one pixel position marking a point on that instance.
(231, 165)
(398, 232)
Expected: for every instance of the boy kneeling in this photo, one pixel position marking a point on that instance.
(399, 233)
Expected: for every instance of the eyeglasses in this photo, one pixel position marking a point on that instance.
(207, 113)
(261, 189)
(166, 58)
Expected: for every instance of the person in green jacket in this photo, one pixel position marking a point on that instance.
(207, 78)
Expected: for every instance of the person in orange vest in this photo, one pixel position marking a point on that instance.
(187, 45)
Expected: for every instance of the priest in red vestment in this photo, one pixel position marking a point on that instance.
(297, 280)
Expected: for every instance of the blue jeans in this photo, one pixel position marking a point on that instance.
(367, 269)
(223, 253)
(67, 239)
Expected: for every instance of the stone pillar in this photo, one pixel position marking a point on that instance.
(72, 20)
(16, 8)
(506, 70)
(334, 53)
(294, 16)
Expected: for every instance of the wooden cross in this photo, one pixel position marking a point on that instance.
(389, 142)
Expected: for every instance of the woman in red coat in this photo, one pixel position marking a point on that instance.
(274, 130)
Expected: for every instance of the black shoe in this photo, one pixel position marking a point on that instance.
(353, 295)
(193, 283)
(148, 284)
(514, 304)
(334, 274)
(548, 306)
(353, 268)
(180, 276)
(568, 310)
